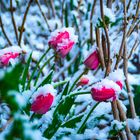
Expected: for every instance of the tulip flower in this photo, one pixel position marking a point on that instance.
(4, 59)
(105, 90)
(62, 41)
(42, 103)
(42, 99)
(9, 53)
(92, 61)
(83, 81)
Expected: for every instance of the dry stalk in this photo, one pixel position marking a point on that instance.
(100, 51)
(3, 30)
(13, 20)
(23, 22)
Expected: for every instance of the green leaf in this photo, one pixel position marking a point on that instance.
(11, 80)
(61, 112)
(48, 60)
(66, 16)
(80, 129)
(65, 91)
(72, 122)
(76, 80)
(35, 69)
(59, 117)
(47, 80)
(25, 72)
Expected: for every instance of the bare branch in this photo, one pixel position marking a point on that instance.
(13, 19)
(3, 30)
(23, 22)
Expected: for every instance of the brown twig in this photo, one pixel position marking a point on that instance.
(134, 19)
(127, 83)
(38, 4)
(53, 8)
(129, 4)
(104, 49)
(116, 117)
(100, 51)
(91, 25)
(23, 22)
(136, 44)
(123, 117)
(13, 19)
(3, 30)
(109, 3)
(107, 37)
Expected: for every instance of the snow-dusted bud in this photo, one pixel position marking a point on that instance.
(9, 53)
(42, 99)
(62, 40)
(92, 61)
(105, 90)
(84, 80)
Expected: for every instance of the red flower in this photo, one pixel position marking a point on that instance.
(5, 58)
(42, 103)
(103, 94)
(105, 90)
(83, 81)
(119, 83)
(92, 62)
(62, 42)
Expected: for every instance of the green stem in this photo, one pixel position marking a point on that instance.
(33, 73)
(74, 83)
(60, 83)
(86, 118)
(42, 69)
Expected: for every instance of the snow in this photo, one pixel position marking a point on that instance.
(116, 75)
(117, 125)
(134, 124)
(35, 39)
(44, 90)
(108, 84)
(70, 30)
(14, 49)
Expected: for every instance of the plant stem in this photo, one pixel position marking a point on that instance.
(87, 117)
(3, 30)
(23, 22)
(13, 19)
(123, 117)
(37, 1)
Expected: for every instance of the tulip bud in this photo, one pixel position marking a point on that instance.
(42, 99)
(62, 41)
(42, 103)
(4, 60)
(105, 90)
(92, 61)
(83, 81)
(9, 53)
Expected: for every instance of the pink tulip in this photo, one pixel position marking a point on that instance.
(92, 61)
(105, 90)
(42, 103)
(83, 81)
(119, 83)
(103, 94)
(62, 41)
(5, 58)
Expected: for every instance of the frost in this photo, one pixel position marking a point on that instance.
(43, 91)
(14, 49)
(117, 75)
(108, 84)
(134, 124)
